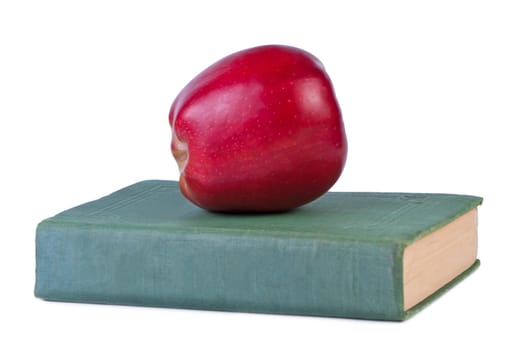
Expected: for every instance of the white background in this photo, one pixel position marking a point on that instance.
(434, 96)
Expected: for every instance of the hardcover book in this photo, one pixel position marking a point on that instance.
(358, 255)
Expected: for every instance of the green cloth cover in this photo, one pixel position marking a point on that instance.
(147, 245)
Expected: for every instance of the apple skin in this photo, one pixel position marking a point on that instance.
(258, 131)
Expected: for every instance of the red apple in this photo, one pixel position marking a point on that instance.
(258, 131)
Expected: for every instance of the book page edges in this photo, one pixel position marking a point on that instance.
(439, 257)
(417, 308)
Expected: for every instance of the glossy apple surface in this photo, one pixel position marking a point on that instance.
(258, 131)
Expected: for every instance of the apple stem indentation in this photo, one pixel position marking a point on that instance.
(180, 152)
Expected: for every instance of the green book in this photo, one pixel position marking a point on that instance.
(358, 255)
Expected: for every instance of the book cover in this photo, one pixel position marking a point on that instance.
(340, 256)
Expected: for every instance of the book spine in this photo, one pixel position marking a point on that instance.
(205, 270)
